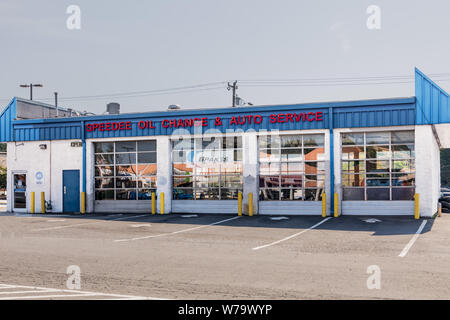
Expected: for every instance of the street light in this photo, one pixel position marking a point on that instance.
(31, 88)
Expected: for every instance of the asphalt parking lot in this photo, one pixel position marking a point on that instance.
(223, 257)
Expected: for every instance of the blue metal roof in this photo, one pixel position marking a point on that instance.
(431, 105)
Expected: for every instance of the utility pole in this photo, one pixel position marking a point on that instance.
(56, 103)
(31, 88)
(234, 87)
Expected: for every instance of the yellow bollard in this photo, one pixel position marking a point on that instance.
(324, 205)
(162, 202)
(240, 203)
(153, 203)
(83, 202)
(440, 209)
(336, 205)
(416, 206)
(250, 204)
(42, 202)
(33, 209)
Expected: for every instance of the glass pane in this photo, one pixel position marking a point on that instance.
(231, 155)
(104, 171)
(207, 168)
(104, 147)
(352, 166)
(269, 168)
(149, 145)
(291, 155)
(146, 194)
(209, 143)
(147, 169)
(125, 170)
(269, 141)
(353, 194)
(126, 146)
(291, 181)
(229, 194)
(292, 194)
(183, 182)
(104, 195)
(383, 182)
(126, 158)
(377, 152)
(313, 194)
(183, 194)
(353, 180)
(183, 169)
(104, 159)
(292, 168)
(314, 154)
(353, 139)
(232, 142)
(314, 181)
(377, 165)
(147, 157)
(269, 194)
(314, 167)
(147, 182)
(266, 155)
(206, 181)
(183, 156)
(183, 144)
(126, 195)
(313, 140)
(104, 183)
(404, 179)
(125, 183)
(231, 168)
(231, 181)
(291, 141)
(402, 136)
(377, 194)
(269, 181)
(403, 166)
(403, 193)
(403, 151)
(207, 194)
(352, 153)
(208, 156)
(377, 138)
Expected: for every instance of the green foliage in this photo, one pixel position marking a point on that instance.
(445, 167)
(2, 178)
(2, 147)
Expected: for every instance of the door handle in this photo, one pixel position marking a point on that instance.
(64, 189)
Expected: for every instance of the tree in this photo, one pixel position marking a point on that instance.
(2, 178)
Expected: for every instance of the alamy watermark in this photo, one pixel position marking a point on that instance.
(73, 22)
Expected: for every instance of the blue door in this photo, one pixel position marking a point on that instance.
(71, 190)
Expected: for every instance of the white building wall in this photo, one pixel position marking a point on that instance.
(29, 158)
(164, 182)
(250, 171)
(428, 176)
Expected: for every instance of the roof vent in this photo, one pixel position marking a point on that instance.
(113, 108)
(174, 107)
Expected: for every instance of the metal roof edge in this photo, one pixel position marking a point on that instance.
(192, 112)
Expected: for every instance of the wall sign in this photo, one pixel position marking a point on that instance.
(204, 121)
(39, 176)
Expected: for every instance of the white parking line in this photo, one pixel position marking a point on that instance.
(62, 293)
(88, 223)
(292, 236)
(176, 232)
(414, 238)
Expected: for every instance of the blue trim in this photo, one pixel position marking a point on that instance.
(331, 162)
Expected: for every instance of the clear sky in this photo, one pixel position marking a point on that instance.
(135, 46)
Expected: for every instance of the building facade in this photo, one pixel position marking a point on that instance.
(374, 154)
